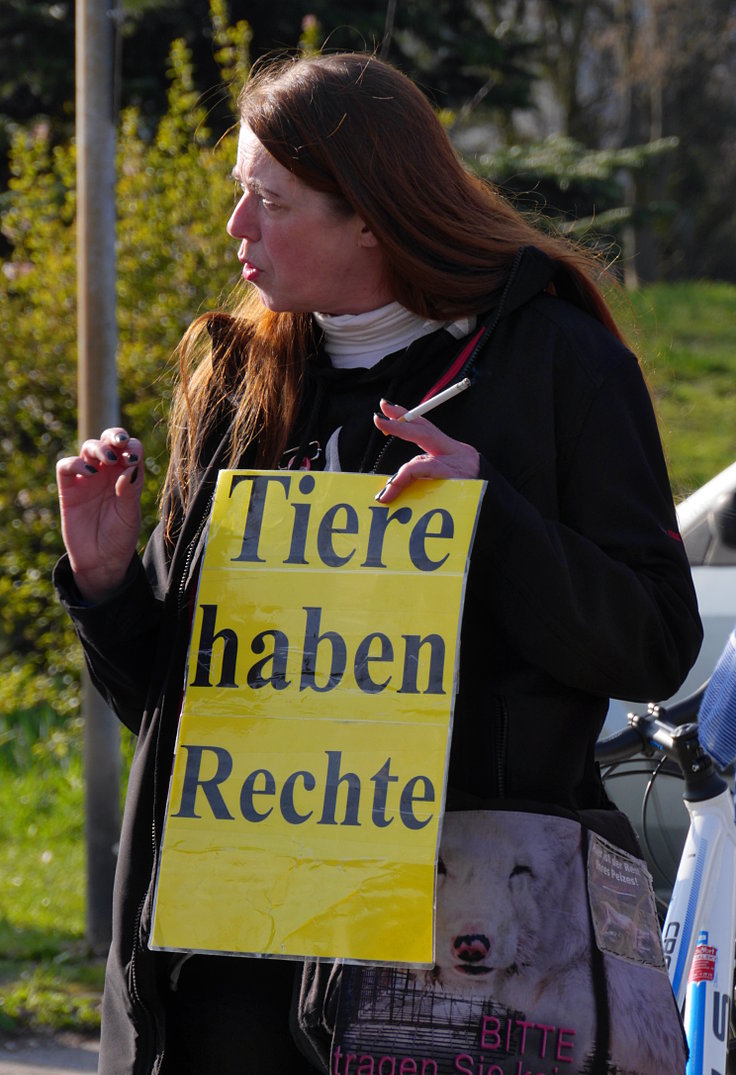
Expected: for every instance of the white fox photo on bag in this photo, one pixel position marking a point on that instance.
(548, 961)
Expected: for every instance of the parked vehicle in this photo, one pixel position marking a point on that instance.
(707, 522)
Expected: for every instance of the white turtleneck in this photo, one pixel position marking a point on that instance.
(362, 340)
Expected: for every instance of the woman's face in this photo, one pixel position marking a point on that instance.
(299, 251)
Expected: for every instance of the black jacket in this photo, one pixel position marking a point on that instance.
(579, 587)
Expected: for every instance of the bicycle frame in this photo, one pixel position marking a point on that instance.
(699, 933)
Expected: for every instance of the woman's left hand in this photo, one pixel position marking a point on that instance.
(442, 457)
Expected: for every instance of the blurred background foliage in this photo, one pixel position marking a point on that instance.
(615, 119)
(603, 74)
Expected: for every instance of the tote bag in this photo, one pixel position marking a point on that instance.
(548, 960)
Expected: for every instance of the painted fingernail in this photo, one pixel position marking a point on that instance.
(122, 438)
(132, 458)
(134, 475)
(111, 456)
(380, 495)
(90, 468)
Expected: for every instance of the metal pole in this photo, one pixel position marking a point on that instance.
(97, 409)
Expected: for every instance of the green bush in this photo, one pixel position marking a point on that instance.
(174, 194)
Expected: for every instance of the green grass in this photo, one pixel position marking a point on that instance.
(685, 335)
(47, 978)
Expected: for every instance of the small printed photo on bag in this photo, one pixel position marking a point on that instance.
(520, 985)
(622, 904)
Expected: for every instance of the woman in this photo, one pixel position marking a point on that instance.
(380, 270)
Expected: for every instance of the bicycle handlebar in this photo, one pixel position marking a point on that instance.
(648, 732)
(683, 712)
(620, 746)
(668, 732)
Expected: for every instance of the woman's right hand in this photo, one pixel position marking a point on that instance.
(100, 501)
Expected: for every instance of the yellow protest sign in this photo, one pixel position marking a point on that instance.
(308, 781)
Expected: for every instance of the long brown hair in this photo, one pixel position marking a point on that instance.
(355, 128)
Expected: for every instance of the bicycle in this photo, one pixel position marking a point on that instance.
(699, 930)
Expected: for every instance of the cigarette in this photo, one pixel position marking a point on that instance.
(435, 401)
